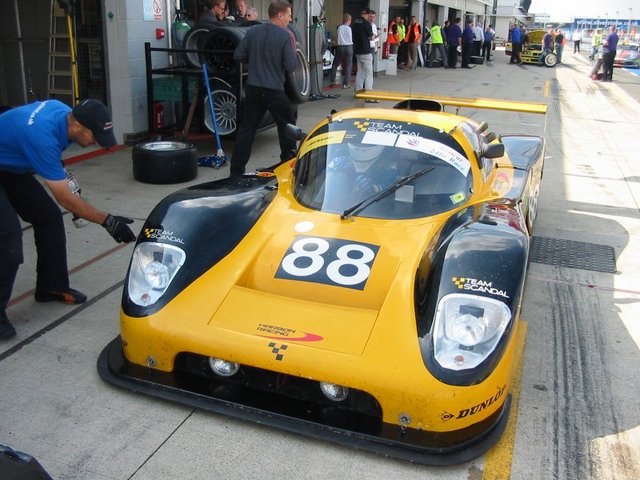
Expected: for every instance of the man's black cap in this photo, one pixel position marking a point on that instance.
(95, 116)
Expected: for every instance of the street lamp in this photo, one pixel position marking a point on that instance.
(617, 18)
(630, 17)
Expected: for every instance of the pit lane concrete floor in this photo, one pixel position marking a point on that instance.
(578, 415)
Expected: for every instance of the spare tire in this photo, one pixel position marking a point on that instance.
(221, 41)
(190, 42)
(164, 162)
(297, 84)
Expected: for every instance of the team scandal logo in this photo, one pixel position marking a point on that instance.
(160, 234)
(475, 285)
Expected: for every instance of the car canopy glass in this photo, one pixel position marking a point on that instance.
(348, 161)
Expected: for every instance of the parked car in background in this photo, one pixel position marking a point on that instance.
(531, 51)
(627, 56)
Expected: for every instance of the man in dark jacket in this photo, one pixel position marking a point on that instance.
(467, 44)
(269, 49)
(454, 38)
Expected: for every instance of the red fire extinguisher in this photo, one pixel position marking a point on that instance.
(158, 115)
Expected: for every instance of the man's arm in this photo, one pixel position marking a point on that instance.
(74, 203)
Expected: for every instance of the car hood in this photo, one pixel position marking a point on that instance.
(325, 309)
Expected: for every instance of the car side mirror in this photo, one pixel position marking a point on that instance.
(294, 132)
(493, 150)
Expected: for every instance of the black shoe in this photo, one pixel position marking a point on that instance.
(70, 297)
(6, 329)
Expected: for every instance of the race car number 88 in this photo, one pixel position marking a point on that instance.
(328, 260)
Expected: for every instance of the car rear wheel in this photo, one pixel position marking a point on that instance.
(532, 211)
(550, 60)
(164, 162)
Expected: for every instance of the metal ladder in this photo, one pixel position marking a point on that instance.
(63, 76)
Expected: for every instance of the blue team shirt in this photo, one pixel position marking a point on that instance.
(32, 138)
(516, 35)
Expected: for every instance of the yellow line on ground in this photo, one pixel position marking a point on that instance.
(497, 461)
(547, 86)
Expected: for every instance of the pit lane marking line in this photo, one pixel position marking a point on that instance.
(547, 87)
(498, 460)
(75, 269)
(33, 337)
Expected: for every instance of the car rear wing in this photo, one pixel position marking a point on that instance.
(487, 103)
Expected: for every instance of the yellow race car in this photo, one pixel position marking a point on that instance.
(365, 292)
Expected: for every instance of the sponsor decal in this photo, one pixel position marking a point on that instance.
(475, 285)
(283, 333)
(383, 127)
(278, 351)
(435, 149)
(160, 234)
(446, 416)
(467, 412)
(322, 140)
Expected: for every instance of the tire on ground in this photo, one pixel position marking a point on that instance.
(550, 60)
(164, 162)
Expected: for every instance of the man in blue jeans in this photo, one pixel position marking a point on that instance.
(269, 49)
(547, 46)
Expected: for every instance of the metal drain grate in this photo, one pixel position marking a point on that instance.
(572, 254)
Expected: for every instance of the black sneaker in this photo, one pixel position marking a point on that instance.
(6, 329)
(70, 297)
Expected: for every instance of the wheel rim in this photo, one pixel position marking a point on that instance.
(164, 146)
(191, 43)
(550, 60)
(221, 62)
(225, 105)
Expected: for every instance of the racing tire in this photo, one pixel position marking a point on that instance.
(190, 42)
(164, 162)
(224, 39)
(550, 60)
(297, 84)
(532, 210)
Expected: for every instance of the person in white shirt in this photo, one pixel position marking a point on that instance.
(344, 53)
(478, 38)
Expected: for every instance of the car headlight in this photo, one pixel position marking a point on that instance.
(153, 266)
(467, 329)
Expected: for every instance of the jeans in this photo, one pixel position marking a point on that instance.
(486, 49)
(438, 47)
(364, 75)
(257, 101)
(607, 65)
(559, 49)
(545, 51)
(344, 57)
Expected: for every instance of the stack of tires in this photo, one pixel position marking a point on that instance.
(167, 162)
(215, 47)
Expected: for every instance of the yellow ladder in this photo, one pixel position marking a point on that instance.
(63, 69)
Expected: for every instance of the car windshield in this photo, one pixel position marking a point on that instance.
(629, 48)
(349, 161)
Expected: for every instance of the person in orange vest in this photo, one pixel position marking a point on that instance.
(412, 39)
(393, 36)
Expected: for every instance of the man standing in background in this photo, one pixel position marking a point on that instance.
(362, 36)
(344, 52)
(269, 49)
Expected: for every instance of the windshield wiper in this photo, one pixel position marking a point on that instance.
(358, 207)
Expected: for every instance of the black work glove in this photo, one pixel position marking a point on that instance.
(117, 228)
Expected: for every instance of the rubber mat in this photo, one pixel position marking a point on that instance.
(573, 254)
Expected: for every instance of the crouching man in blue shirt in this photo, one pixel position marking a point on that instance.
(32, 138)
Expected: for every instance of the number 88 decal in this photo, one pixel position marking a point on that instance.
(328, 260)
